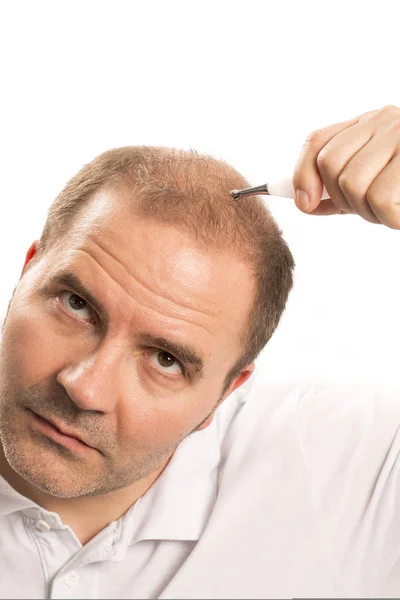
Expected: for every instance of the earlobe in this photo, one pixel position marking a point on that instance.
(30, 254)
(207, 422)
(240, 380)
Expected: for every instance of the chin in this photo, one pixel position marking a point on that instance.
(44, 471)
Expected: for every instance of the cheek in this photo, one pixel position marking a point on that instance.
(29, 349)
(150, 423)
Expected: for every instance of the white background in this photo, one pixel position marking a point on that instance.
(245, 81)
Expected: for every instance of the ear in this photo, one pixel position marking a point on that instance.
(29, 255)
(240, 380)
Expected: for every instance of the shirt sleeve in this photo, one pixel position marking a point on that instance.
(349, 439)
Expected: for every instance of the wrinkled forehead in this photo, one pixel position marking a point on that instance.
(160, 264)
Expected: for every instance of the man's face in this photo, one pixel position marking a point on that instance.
(105, 377)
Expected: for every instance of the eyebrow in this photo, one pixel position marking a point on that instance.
(186, 354)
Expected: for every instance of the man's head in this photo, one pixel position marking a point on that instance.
(142, 307)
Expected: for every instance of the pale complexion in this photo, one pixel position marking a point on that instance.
(127, 399)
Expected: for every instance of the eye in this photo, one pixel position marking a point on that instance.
(76, 305)
(168, 362)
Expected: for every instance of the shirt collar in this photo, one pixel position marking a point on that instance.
(11, 501)
(179, 503)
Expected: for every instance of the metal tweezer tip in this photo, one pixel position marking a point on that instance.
(261, 189)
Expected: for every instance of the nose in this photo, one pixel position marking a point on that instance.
(94, 382)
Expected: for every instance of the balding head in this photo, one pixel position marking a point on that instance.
(191, 191)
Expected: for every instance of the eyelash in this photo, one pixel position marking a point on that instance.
(59, 295)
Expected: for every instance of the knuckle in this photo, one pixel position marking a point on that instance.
(384, 201)
(390, 108)
(374, 198)
(389, 111)
(347, 184)
(313, 138)
(323, 160)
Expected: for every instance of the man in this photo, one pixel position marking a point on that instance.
(125, 470)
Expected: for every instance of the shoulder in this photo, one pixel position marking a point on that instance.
(342, 418)
(327, 422)
(350, 444)
(343, 435)
(338, 445)
(318, 408)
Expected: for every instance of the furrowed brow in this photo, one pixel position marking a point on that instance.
(186, 354)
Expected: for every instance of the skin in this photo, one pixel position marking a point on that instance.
(129, 401)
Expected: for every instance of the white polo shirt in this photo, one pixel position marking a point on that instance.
(292, 491)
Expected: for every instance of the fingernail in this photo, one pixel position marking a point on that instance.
(302, 201)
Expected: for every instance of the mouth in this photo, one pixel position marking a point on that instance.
(60, 436)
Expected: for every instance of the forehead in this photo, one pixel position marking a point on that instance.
(160, 267)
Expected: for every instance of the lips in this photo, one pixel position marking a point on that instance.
(62, 429)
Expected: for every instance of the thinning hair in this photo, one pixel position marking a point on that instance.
(191, 190)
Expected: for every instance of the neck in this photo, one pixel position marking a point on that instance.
(87, 515)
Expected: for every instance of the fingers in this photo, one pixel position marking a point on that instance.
(335, 155)
(359, 173)
(306, 174)
(383, 195)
